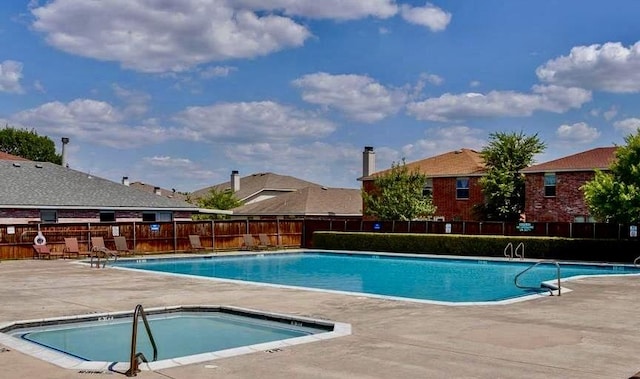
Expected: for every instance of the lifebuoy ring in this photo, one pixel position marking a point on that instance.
(40, 240)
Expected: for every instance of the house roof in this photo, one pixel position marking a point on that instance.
(454, 163)
(308, 201)
(253, 184)
(11, 157)
(46, 185)
(599, 158)
(172, 194)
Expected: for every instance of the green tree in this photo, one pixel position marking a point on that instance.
(28, 144)
(215, 199)
(614, 196)
(398, 195)
(503, 185)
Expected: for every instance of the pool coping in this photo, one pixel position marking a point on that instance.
(66, 361)
(550, 285)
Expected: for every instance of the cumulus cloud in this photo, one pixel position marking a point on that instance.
(579, 132)
(442, 140)
(450, 107)
(628, 126)
(217, 72)
(326, 9)
(166, 35)
(360, 97)
(90, 120)
(252, 121)
(608, 67)
(10, 76)
(430, 16)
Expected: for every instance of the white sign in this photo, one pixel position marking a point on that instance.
(447, 228)
(633, 231)
(115, 231)
(11, 230)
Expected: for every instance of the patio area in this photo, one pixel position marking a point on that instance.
(590, 332)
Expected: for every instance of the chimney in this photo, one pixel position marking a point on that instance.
(368, 161)
(156, 190)
(65, 141)
(235, 181)
(125, 181)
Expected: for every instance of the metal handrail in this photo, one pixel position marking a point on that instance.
(515, 280)
(635, 261)
(520, 245)
(133, 368)
(510, 248)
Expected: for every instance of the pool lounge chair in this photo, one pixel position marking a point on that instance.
(265, 242)
(42, 252)
(99, 250)
(72, 249)
(248, 243)
(121, 246)
(194, 240)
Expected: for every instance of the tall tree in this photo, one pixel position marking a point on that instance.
(503, 185)
(215, 199)
(614, 196)
(398, 195)
(28, 144)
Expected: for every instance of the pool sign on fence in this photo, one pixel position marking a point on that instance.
(525, 226)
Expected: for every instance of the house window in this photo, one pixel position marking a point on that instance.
(427, 190)
(107, 216)
(48, 215)
(462, 188)
(148, 216)
(157, 216)
(550, 185)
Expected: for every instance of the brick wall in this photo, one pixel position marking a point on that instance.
(565, 206)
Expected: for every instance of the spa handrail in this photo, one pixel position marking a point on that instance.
(133, 368)
(508, 251)
(515, 280)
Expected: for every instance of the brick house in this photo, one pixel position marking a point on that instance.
(32, 192)
(552, 189)
(452, 179)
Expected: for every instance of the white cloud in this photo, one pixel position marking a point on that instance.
(331, 9)
(137, 102)
(92, 121)
(579, 132)
(445, 139)
(10, 76)
(166, 169)
(217, 72)
(249, 121)
(449, 107)
(611, 113)
(609, 67)
(164, 36)
(430, 16)
(474, 83)
(360, 97)
(628, 126)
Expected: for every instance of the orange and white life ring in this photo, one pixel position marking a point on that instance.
(40, 240)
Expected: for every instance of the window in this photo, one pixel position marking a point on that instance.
(550, 185)
(148, 216)
(107, 216)
(48, 215)
(157, 216)
(462, 188)
(427, 190)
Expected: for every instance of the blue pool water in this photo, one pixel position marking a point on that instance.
(176, 335)
(436, 279)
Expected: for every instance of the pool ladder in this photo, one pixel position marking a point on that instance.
(550, 289)
(137, 356)
(510, 252)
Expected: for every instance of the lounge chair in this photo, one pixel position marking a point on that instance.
(72, 249)
(248, 243)
(265, 242)
(194, 240)
(121, 246)
(42, 252)
(99, 250)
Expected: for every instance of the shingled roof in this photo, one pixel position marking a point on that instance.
(252, 185)
(29, 184)
(309, 201)
(599, 158)
(454, 163)
(172, 194)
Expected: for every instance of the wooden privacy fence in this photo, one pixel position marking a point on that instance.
(149, 237)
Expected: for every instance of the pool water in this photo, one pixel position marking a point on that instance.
(176, 335)
(408, 277)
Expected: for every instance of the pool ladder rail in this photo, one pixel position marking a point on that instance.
(550, 289)
(136, 357)
(510, 252)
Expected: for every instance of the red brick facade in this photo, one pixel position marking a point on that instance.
(567, 205)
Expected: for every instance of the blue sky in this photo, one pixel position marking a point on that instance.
(180, 93)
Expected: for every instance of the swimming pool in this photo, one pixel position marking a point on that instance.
(454, 281)
(182, 334)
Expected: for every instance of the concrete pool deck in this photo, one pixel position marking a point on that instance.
(591, 332)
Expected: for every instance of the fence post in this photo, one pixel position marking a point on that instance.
(135, 243)
(213, 235)
(175, 236)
